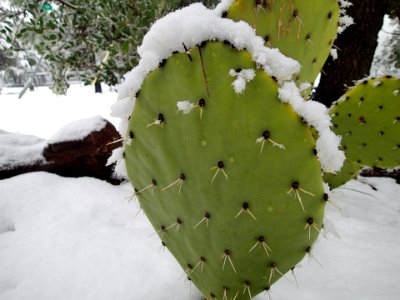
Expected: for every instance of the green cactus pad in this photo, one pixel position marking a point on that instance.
(301, 29)
(349, 171)
(223, 199)
(368, 119)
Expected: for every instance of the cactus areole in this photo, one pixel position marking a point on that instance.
(219, 149)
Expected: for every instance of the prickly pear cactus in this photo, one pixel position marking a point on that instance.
(368, 119)
(228, 179)
(301, 29)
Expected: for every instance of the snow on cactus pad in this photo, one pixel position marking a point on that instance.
(301, 29)
(368, 119)
(229, 180)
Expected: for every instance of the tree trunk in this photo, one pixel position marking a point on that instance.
(30, 80)
(356, 48)
(97, 87)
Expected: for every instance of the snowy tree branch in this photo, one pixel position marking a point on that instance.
(4, 15)
(68, 4)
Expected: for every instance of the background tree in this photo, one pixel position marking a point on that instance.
(5, 60)
(356, 47)
(387, 58)
(97, 38)
(15, 67)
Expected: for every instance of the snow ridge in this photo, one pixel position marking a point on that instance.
(222, 7)
(316, 115)
(78, 130)
(20, 149)
(188, 27)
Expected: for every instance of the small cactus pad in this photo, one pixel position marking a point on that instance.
(349, 171)
(368, 119)
(301, 29)
(228, 180)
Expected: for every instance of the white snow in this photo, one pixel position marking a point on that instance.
(345, 20)
(304, 87)
(117, 157)
(185, 106)
(64, 238)
(334, 53)
(42, 113)
(20, 149)
(316, 115)
(242, 78)
(383, 63)
(376, 83)
(116, 154)
(123, 108)
(222, 7)
(194, 24)
(120, 168)
(345, 4)
(78, 130)
(79, 239)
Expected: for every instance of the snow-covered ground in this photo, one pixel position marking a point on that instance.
(65, 238)
(42, 113)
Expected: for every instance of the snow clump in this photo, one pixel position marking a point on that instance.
(185, 106)
(242, 78)
(345, 20)
(334, 54)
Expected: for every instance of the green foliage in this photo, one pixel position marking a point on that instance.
(6, 60)
(194, 172)
(368, 119)
(97, 38)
